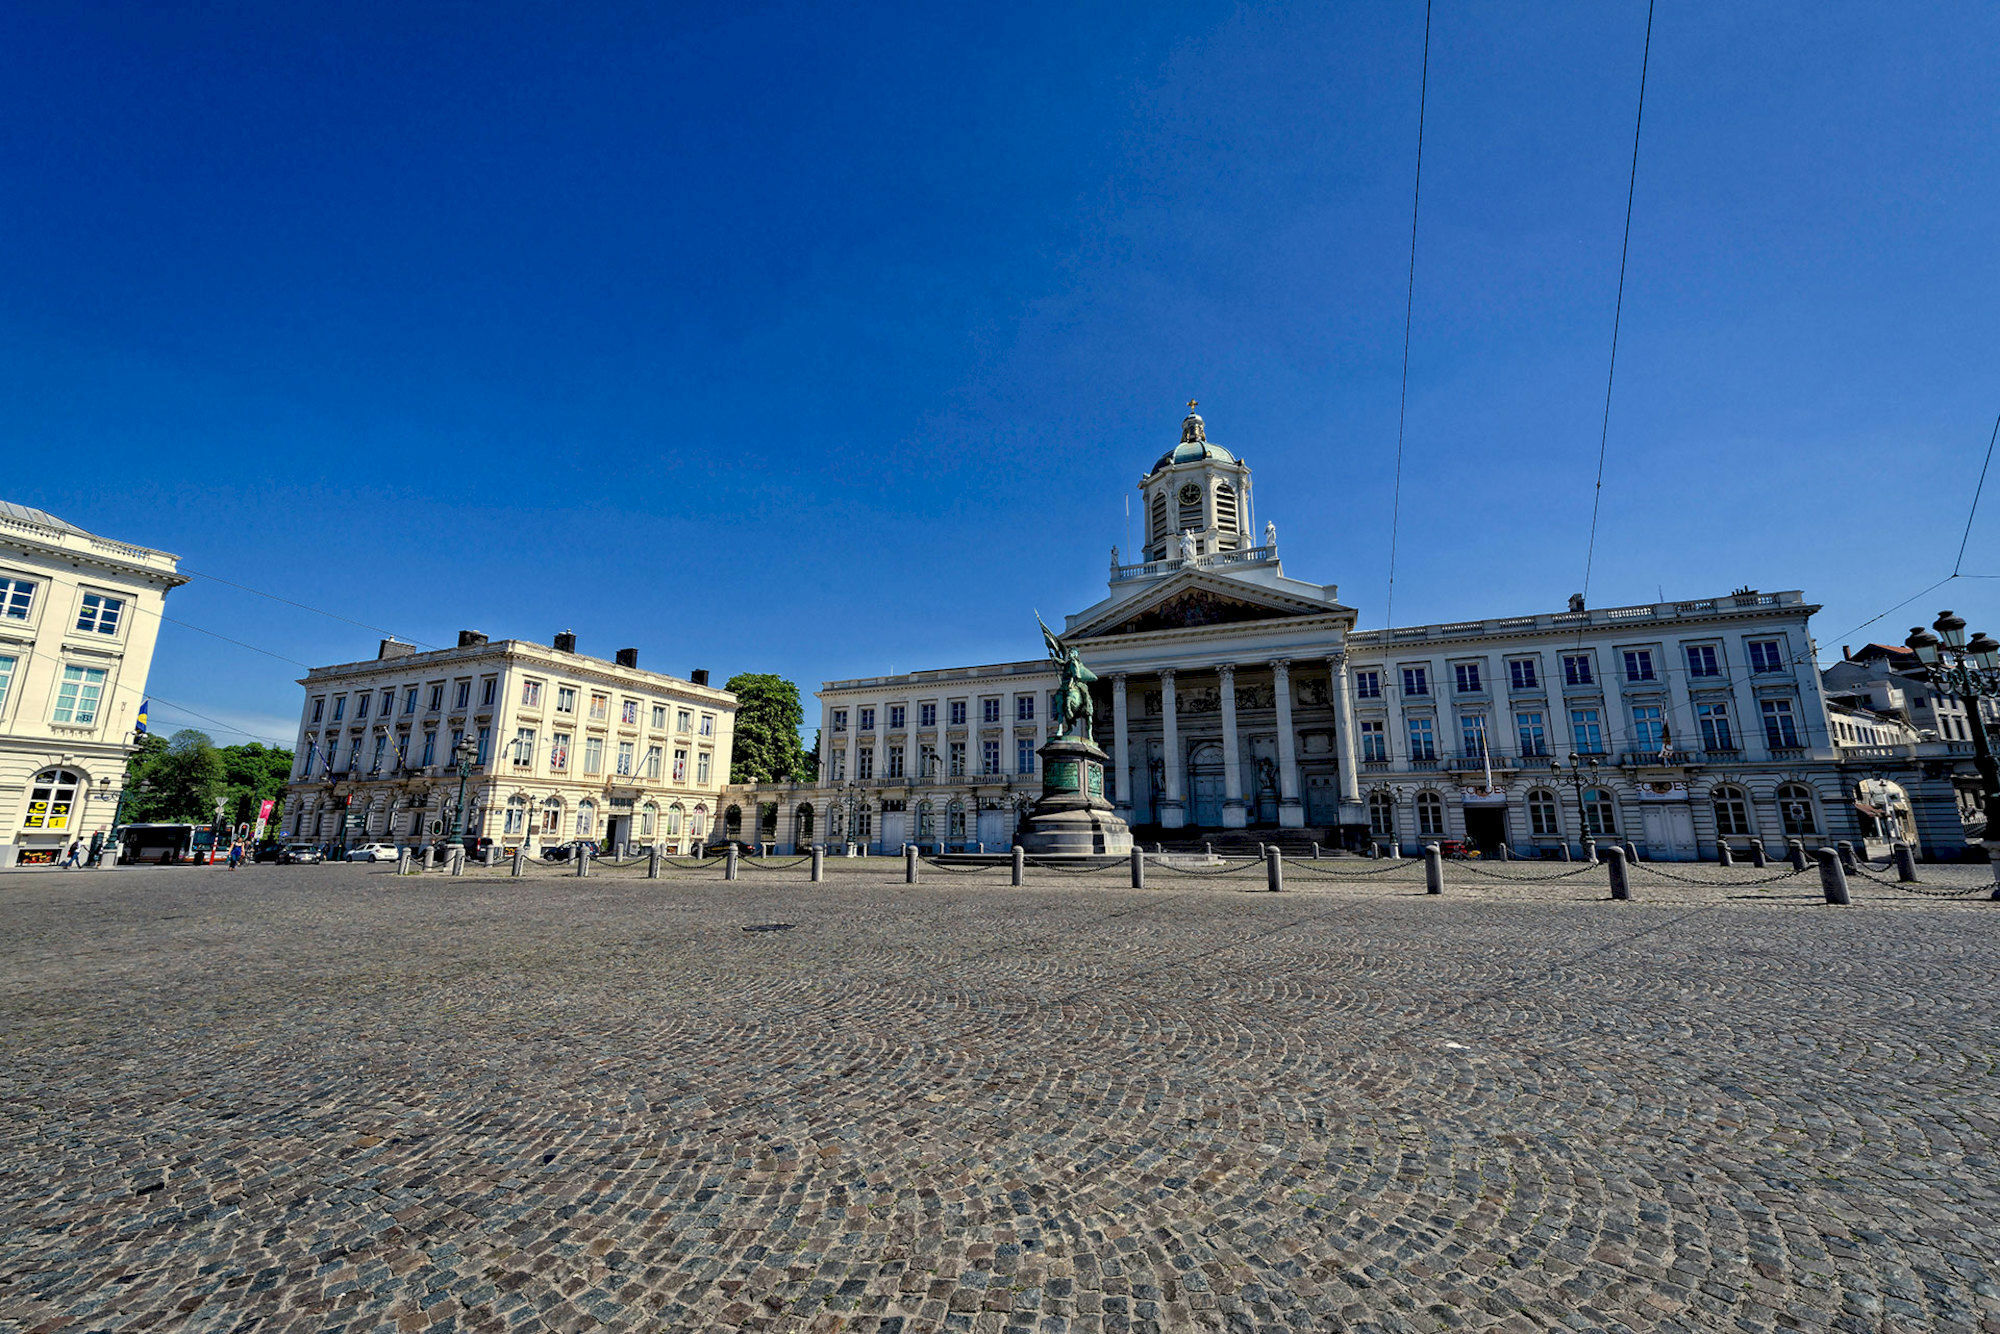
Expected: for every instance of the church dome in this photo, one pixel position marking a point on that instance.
(1193, 448)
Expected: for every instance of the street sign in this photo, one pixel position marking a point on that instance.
(356, 821)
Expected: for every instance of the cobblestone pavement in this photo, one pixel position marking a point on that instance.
(329, 1098)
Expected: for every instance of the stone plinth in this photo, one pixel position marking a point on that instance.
(1073, 819)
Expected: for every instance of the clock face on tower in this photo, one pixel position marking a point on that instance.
(1190, 494)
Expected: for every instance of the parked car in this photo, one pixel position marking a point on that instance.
(293, 854)
(373, 852)
(267, 852)
(562, 852)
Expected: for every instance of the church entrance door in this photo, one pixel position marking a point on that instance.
(1486, 827)
(1205, 785)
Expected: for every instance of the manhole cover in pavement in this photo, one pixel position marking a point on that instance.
(770, 926)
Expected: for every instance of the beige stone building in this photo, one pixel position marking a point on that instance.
(79, 615)
(564, 746)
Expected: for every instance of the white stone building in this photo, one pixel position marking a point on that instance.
(1235, 696)
(566, 747)
(79, 615)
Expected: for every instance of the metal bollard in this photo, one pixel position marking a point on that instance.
(1506, 854)
(458, 861)
(1274, 869)
(403, 862)
(1614, 862)
(1723, 856)
(1631, 852)
(520, 862)
(1832, 879)
(493, 855)
(819, 864)
(1796, 852)
(1396, 850)
(1138, 869)
(729, 865)
(1590, 850)
(427, 859)
(1758, 857)
(909, 863)
(1315, 851)
(1433, 869)
(1846, 851)
(1208, 848)
(1020, 861)
(1374, 850)
(582, 862)
(653, 862)
(1564, 850)
(1906, 863)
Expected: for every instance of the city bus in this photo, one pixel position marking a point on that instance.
(163, 842)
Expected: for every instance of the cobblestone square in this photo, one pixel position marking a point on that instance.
(323, 1098)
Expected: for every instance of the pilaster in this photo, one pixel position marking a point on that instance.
(1291, 814)
(1173, 815)
(1232, 777)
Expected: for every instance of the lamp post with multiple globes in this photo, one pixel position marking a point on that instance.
(1972, 672)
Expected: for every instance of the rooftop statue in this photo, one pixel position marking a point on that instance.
(1075, 716)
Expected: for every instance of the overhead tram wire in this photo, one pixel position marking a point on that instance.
(1618, 311)
(1409, 308)
(1960, 562)
(304, 606)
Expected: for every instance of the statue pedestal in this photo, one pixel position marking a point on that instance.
(1073, 819)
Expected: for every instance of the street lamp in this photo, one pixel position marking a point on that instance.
(466, 751)
(1578, 771)
(1972, 672)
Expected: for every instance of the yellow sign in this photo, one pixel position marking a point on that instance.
(38, 812)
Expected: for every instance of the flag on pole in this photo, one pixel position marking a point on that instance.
(139, 727)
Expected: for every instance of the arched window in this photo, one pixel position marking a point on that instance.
(926, 822)
(954, 821)
(864, 825)
(698, 821)
(552, 817)
(1543, 819)
(1732, 811)
(586, 818)
(1381, 815)
(52, 799)
(732, 821)
(649, 819)
(674, 814)
(1795, 808)
(1599, 817)
(1430, 813)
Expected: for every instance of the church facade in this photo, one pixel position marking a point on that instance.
(1234, 696)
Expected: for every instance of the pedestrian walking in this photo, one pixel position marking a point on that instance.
(75, 853)
(235, 854)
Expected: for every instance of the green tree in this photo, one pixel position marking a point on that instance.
(251, 774)
(176, 780)
(768, 718)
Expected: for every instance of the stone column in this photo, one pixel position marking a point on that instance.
(1291, 815)
(1172, 814)
(1343, 726)
(1121, 741)
(1232, 778)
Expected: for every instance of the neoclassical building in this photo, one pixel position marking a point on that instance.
(564, 746)
(1233, 696)
(79, 615)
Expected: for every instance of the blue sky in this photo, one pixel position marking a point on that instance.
(830, 340)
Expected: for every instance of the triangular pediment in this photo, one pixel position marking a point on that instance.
(1189, 601)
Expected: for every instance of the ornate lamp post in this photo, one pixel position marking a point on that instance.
(1972, 672)
(466, 751)
(1578, 771)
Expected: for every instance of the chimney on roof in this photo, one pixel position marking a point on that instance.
(699, 676)
(394, 648)
(470, 639)
(628, 657)
(1846, 653)
(566, 642)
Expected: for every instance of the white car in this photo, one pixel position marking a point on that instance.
(372, 852)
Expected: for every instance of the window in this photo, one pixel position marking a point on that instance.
(1423, 739)
(1599, 817)
(649, 815)
(361, 706)
(1468, 678)
(17, 596)
(437, 697)
(836, 770)
(674, 814)
(927, 760)
(894, 762)
(1646, 727)
(927, 715)
(1024, 755)
(1381, 815)
(704, 764)
(600, 706)
(339, 707)
(1766, 655)
(319, 708)
(586, 818)
(1639, 664)
(989, 757)
(410, 700)
(1416, 681)
(430, 748)
(559, 753)
(653, 762)
(484, 747)
(864, 763)
(402, 750)
(958, 713)
(565, 699)
(628, 712)
(840, 720)
(1713, 718)
(1024, 709)
(531, 694)
(593, 755)
(1430, 814)
(1472, 734)
(625, 752)
(1701, 660)
(1521, 673)
(76, 701)
(99, 614)
(516, 818)
(1732, 811)
(1368, 685)
(354, 753)
(1795, 809)
(1533, 740)
(524, 747)
(989, 710)
(552, 817)
(1576, 669)
(457, 740)
(1542, 818)
(388, 703)
(898, 717)
(1587, 730)
(867, 720)
(486, 689)
(707, 725)
(698, 820)
(381, 750)
(51, 799)
(464, 694)
(1779, 727)
(7, 665)
(1374, 741)
(659, 719)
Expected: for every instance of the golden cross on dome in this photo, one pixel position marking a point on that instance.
(1191, 405)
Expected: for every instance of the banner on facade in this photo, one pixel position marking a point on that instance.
(263, 819)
